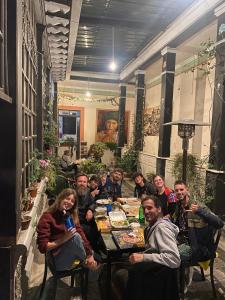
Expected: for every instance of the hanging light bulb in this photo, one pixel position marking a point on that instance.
(88, 94)
(113, 65)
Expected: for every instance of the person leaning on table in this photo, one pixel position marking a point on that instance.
(153, 273)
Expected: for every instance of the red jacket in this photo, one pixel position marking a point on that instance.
(51, 227)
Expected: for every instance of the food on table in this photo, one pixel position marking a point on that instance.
(100, 211)
(129, 239)
(131, 211)
(103, 201)
(103, 224)
(118, 219)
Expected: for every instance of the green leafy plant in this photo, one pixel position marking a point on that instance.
(129, 161)
(96, 151)
(111, 146)
(50, 136)
(90, 166)
(34, 167)
(195, 177)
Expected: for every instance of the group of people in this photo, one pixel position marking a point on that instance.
(81, 241)
(173, 221)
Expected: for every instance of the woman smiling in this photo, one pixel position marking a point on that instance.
(66, 245)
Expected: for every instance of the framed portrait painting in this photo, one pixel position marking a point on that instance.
(107, 126)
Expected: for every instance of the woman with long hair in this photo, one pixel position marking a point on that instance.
(66, 243)
(166, 195)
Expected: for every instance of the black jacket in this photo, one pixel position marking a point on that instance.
(201, 229)
(147, 189)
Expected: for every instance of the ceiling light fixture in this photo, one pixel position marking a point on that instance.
(113, 65)
(88, 93)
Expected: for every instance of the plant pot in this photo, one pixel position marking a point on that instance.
(27, 205)
(25, 221)
(33, 191)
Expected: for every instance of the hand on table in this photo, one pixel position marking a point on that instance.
(136, 258)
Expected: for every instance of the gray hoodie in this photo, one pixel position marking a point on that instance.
(161, 244)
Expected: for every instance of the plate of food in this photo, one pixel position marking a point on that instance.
(118, 219)
(103, 201)
(128, 239)
(103, 224)
(131, 210)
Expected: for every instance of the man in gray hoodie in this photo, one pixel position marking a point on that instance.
(160, 237)
(154, 272)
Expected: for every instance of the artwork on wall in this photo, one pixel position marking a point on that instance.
(107, 126)
(151, 121)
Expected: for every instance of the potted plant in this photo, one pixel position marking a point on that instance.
(26, 206)
(90, 166)
(96, 151)
(129, 161)
(34, 174)
(25, 221)
(50, 136)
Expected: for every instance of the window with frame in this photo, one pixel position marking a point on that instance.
(29, 78)
(4, 86)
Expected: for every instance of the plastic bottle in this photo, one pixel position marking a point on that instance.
(69, 222)
(141, 216)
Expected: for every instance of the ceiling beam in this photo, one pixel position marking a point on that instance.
(105, 80)
(182, 23)
(104, 53)
(85, 21)
(74, 24)
(102, 68)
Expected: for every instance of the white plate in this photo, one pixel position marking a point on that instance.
(103, 201)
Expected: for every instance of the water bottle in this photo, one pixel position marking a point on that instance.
(141, 215)
(69, 222)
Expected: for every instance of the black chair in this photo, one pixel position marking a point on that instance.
(211, 265)
(79, 270)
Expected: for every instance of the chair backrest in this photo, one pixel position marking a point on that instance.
(217, 238)
(49, 260)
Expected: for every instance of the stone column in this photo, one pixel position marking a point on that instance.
(168, 70)
(217, 144)
(139, 103)
(122, 106)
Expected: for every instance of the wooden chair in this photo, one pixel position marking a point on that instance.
(211, 265)
(79, 270)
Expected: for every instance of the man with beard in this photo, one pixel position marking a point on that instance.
(198, 226)
(86, 206)
(113, 184)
